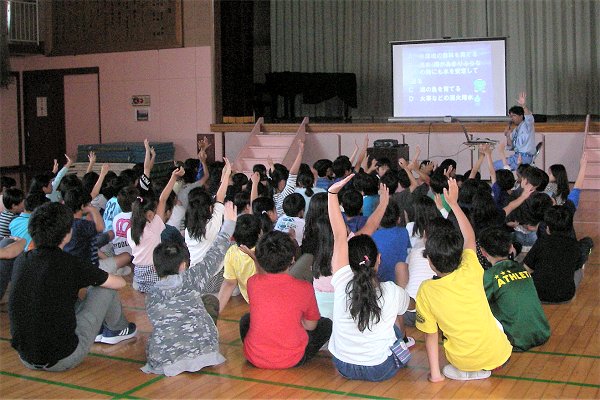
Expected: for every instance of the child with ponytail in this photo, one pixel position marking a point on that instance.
(364, 335)
(147, 223)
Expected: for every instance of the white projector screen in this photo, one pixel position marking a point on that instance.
(458, 78)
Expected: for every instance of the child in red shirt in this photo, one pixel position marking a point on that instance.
(284, 328)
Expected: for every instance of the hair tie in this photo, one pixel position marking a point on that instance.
(141, 199)
(365, 261)
(263, 212)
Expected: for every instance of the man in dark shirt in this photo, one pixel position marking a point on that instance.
(51, 328)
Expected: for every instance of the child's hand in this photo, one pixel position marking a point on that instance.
(448, 171)
(105, 168)
(336, 187)
(226, 170)
(230, 213)
(402, 163)
(178, 173)
(69, 161)
(146, 144)
(202, 156)
(437, 198)
(384, 193)
(92, 157)
(451, 194)
(527, 191)
(255, 178)
(55, 166)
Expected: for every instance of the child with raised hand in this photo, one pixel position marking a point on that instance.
(364, 310)
(185, 336)
(456, 304)
(147, 223)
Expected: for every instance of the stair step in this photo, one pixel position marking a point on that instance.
(246, 163)
(274, 140)
(593, 155)
(266, 151)
(592, 142)
(593, 169)
(591, 183)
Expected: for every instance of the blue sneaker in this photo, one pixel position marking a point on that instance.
(114, 337)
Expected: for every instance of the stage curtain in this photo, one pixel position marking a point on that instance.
(552, 50)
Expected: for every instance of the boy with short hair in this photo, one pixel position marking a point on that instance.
(19, 226)
(511, 293)
(50, 279)
(456, 304)
(555, 260)
(284, 328)
(14, 204)
(293, 207)
(183, 316)
(238, 265)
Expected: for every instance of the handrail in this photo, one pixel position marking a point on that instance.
(293, 151)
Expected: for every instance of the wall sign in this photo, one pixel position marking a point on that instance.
(140, 100)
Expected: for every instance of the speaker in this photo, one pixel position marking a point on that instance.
(392, 153)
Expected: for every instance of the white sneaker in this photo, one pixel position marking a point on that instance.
(409, 341)
(451, 372)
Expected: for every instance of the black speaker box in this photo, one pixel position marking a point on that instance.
(392, 153)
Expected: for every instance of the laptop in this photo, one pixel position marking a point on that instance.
(475, 141)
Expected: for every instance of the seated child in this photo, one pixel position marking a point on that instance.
(364, 309)
(392, 242)
(19, 226)
(293, 207)
(284, 328)
(51, 279)
(555, 260)
(185, 336)
(455, 303)
(511, 293)
(352, 201)
(14, 204)
(239, 266)
(6, 182)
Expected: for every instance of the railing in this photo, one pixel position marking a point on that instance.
(23, 21)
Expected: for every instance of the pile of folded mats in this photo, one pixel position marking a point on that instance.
(122, 155)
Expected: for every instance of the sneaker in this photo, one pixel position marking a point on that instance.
(114, 337)
(451, 372)
(98, 338)
(409, 341)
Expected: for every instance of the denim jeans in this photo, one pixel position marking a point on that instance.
(373, 373)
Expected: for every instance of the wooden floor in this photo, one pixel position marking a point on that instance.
(568, 366)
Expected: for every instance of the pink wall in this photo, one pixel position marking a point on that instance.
(81, 111)
(9, 133)
(179, 82)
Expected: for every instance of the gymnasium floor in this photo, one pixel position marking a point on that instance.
(568, 366)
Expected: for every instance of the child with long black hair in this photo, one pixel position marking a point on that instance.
(147, 223)
(364, 310)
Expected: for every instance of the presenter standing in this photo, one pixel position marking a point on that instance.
(521, 139)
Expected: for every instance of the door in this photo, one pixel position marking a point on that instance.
(44, 115)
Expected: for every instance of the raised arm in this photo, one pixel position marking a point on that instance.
(479, 161)
(202, 156)
(91, 162)
(296, 165)
(149, 158)
(164, 195)
(98, 186)
(225, 174)
(63, 171)
(362, 154)
(521, 101)
(354, 153)
(255, 179)
(94, 214)
(490, 163)
(374, 220)
(451, 196)
(339, 258)
(408, 168)
(581, 173)
(510, 207)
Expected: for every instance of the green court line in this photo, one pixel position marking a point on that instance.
(291, 385)
(562, 354)
(235, 342)
(143, 385)
(522, 378)
(134, 308)
(237, 321)
(66, 385)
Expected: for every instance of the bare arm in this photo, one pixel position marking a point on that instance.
(478, 163)
(227, 288)
(92, 161)
(203, 157)
(255, 178)
(408, 168)
(490, 164)
(374, 219)
(402, 275)
(13, 249)
(96, 217)
(362, 154)
(296, 165)
(451, 196)
(149, 158)
(162, 200)
(338, 226)
(581, 173)
(431, 345)
(309, 325)
(354, 153)
(114, 282)
(222, 191)
(98, 186)
(510, 207)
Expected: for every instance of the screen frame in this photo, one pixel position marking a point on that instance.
(445, 117)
